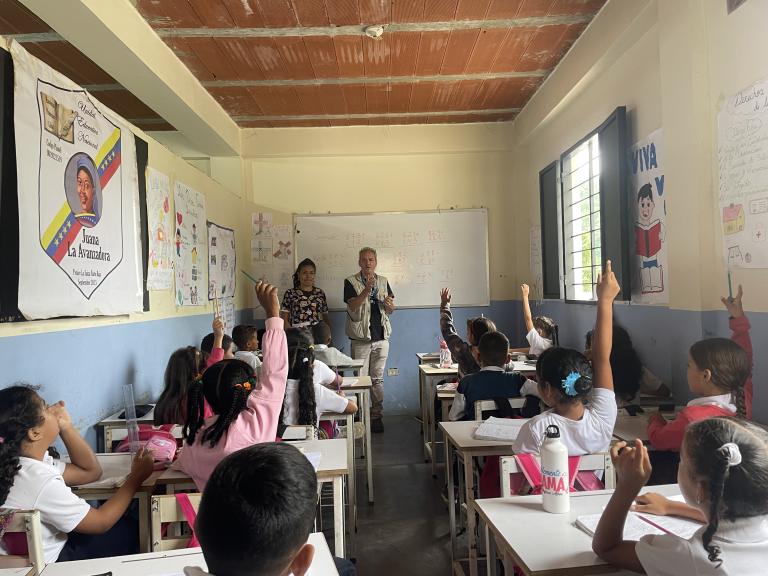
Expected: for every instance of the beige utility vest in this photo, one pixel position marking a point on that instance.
(359, 321)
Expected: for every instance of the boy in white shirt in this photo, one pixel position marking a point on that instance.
(247, 342)
(324, 352)
(583, 405)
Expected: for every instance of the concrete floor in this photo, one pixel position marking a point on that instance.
(406, 531)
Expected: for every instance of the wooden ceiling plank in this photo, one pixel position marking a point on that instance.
(458, 51)
(533, 8)
(472, 9)
(184, 51)
(431, 50)
(296, 58)
(275, 100)
(441, 10)
(310, 12)
(399, 97)
(376, 98)
(265, 53)
(213, 58)
(168, 13)
(375, 11)
(310, 101)
(404, 52)
(241, 60)
(333, 99)
(502, 9)
(464, 94)
(343, 12)
(245, 13)
(237, 101)
(212, 13)
(488, 44)
(442, 96)
(576, 7)
(376, 54)
(349, 56)
(421, 96)
(15, 18)
(354, 96)
(511, 51)
(540, 52)
(409, 11)
(322, 55)
(277, 13)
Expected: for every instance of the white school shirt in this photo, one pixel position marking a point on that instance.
(743, 551)
(250, 358)
(322, 374)
(39, 485)
(330, 355)
(537, 342)
(326, 401)
(589, 435)
(721, 400)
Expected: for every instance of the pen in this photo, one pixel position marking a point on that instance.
(251, 278)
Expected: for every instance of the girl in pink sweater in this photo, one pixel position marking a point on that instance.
(243, 413)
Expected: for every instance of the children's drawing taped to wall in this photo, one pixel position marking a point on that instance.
(160, 224)
(222, 262)
(78, 194)
(743, 161)
(190, 253)
(650, 282)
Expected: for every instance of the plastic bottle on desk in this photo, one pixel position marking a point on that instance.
(446, 361)
(555, 486)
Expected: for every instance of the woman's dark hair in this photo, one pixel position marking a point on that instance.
(20, 410)
(184, 366)
(206, 344)
(735, 491)
(566, 371)
(626, 366)
(226, 386)
(729, 365)
(548, 328)
(300, 360)
(303, 264)
(480, 326)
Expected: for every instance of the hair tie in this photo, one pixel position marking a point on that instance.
(304, 360)
(731, 452)
(569, 383)
(2, 439)
(311, 347)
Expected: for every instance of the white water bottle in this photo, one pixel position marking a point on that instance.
(446, 361)
(555, 485)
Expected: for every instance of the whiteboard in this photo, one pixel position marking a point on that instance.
(418, 252)
(743, 194)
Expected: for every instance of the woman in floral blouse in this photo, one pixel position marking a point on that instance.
(304, 304)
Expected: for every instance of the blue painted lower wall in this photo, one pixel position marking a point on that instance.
(86, 367)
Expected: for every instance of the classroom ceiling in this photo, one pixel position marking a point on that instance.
(277, 63)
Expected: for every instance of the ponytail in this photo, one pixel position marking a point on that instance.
(195, 418)
(301, 357)
(20, 410)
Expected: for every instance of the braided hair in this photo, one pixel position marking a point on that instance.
(728, 364)
(226, 386)
(567, 372)
(183, 367)
(736, 490)
(304, 263)
(20, 410)
(300, 360)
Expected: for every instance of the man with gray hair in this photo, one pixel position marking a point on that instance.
(370, 301)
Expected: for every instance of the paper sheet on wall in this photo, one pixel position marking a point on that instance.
(78, 199)
(648, 197)
(222, 261)
(190, 246)
(282, 258)
(160, 231)
(227, 310)
(743, 193)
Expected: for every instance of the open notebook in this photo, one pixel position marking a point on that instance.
(501, 429)
(641, 524)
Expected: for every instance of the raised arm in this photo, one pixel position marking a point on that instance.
(602, 339)
(217, 352)
(84, 467)
(740, 326)
(527, 316)
(274, 366)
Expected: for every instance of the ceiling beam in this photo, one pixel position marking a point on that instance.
(120, 41)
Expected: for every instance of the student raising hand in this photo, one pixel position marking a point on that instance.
(445, 297)
(734, 305)
(267, 295)
(602, 339)
(607, 285)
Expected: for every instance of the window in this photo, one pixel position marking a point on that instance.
(580, 177)
(585, 214)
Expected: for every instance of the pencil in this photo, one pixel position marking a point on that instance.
(251, 278)
(730, 286)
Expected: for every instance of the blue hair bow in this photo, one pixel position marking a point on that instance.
(569, 383)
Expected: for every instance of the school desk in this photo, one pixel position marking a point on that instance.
(112, 428)
(118, 466)
(628, 427)
(25, 571)
(172, 563)
(354, 367)
(445, 397)
(429, 376)
(459, 438)
(570, 552)
(360, 386)
(349, 420)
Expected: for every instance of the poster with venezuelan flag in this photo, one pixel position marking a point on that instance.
(78, 199)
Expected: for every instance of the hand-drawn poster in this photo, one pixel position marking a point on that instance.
(78, 199)
(261, 238)
(650, 282)
(160, 223)
(283, 264)
(227, 311)
(189, 246)
(222, 266)
(743, 195)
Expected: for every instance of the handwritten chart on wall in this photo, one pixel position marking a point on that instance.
(418, 252)
(743, 195)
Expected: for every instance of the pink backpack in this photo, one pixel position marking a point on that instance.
(531, 474)
(159, 440)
